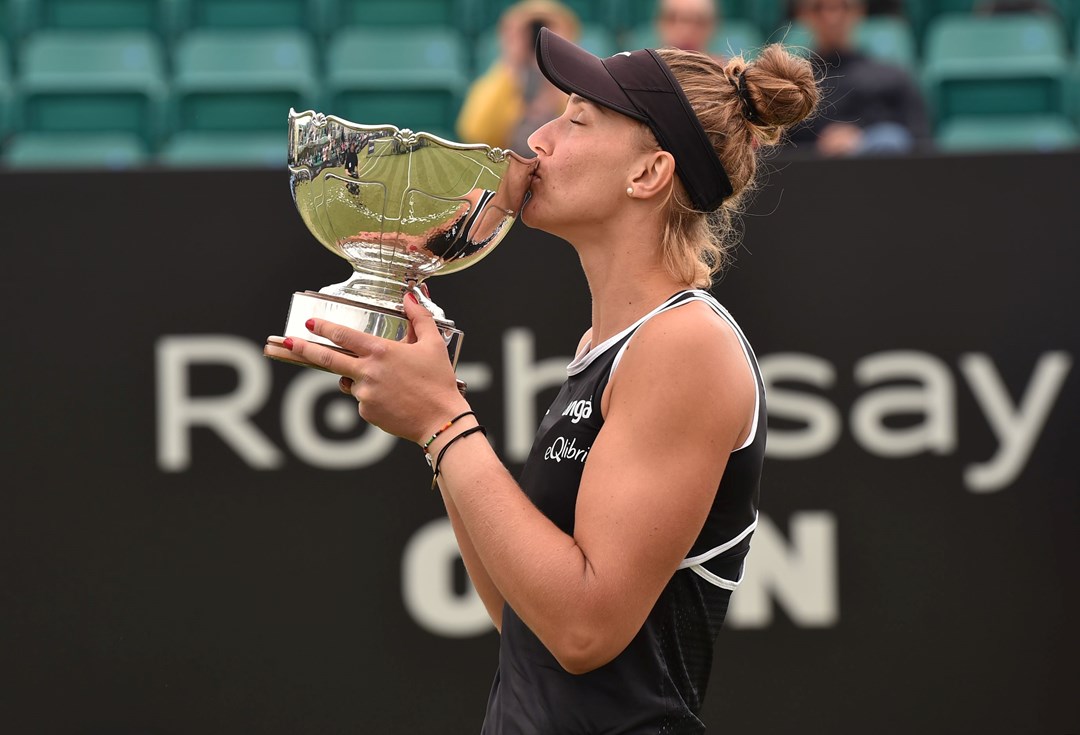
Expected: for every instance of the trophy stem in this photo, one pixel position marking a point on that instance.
(385, 289)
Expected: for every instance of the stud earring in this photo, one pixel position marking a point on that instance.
(629, 191)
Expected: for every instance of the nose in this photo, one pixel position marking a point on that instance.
(540, 140)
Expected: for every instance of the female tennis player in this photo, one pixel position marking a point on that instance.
(608, 565)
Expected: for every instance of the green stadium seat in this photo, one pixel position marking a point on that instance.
(1001, 64)
(13, 18)
(100, 82)
(242, 81)
(737, 36)
(5, 89)
(412, 79)
(306, 15)
(93, 15)
(920, 13)
(75, 151)
(888, 38)
(232, 91)
(1073, 91)
(225, 150)
(769, 14)
(462, 15)
(587, 11)
(1008, 133)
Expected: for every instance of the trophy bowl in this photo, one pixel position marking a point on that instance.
(398, 206)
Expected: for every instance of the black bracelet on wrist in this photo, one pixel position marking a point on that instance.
(438, 460)
(446, 426)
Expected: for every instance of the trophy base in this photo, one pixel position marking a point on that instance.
(367, 318)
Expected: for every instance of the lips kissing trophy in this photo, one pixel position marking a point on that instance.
(399, 206)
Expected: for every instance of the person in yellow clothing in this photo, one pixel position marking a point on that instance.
(512, 99)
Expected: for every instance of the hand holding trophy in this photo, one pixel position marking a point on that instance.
(399, 207)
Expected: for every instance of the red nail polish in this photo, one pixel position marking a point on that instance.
(411, 295)
(310, 324)
(287, 343)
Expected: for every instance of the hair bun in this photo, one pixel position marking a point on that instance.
(780, 88)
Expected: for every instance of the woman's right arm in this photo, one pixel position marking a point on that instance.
(478, 575)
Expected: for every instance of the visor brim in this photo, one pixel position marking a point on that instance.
(575, 71)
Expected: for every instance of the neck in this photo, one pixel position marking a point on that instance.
(626, 278)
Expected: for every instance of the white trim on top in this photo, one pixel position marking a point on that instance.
(588, 353)
(719, 581)
(716, 551)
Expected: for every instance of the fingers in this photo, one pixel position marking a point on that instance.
(345, 385)
(355, 341)
(323, 357)
(420, 319)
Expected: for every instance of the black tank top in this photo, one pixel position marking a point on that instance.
(657, 684)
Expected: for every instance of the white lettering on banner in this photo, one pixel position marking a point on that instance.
(898, 384)
(801, 576)
(229, 416)
(1015, 427)
(427, 585)
(933, 398)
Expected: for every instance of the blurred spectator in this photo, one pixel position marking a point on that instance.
(686, 24)
(869, 106)
(505, 105)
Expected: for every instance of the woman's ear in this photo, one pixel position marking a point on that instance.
(654, 176)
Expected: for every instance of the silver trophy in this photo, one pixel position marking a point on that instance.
(399, 206)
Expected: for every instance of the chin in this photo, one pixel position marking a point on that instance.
(528, 217)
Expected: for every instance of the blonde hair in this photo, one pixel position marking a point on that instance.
(782, 91)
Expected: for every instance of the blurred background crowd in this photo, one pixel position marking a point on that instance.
(193, 83)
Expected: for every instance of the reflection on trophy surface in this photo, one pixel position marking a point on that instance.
(399, 207)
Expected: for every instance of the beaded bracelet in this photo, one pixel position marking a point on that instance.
(438, 460)
(448, 424)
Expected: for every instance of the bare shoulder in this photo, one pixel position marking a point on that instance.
(687, 337)
(689, 361)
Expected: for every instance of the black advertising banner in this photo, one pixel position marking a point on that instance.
(197, 540)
